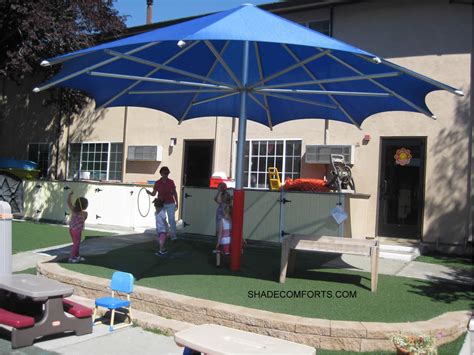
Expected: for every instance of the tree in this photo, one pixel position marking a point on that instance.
(33, 30)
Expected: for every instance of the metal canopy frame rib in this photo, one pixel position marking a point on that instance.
(92, 67)
(383, 87)
(261, 75)
(124, 91)
(211, 70)
(292, 67)
(312, 76)
(158, 80)
(223, 63)
(331, 81)
(162, 66)
(295, 99)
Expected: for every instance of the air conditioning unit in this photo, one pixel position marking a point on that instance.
(145, 153)
(321, 154)
(85, 175)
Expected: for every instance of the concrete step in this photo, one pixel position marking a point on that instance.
(399, 252)
(398, 248)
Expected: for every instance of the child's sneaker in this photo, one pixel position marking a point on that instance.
(163, 252)
(80, 258)
(72, 260)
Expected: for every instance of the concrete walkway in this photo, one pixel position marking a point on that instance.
(136, 340)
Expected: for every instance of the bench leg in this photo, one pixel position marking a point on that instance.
(83, 326)
(374, 268)
(21, 339)
(291, 262)
(285, 251)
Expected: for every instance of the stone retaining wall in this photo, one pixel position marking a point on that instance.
(319, 333)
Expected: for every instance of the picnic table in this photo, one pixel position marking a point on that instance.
(212, 339)
(53, 320)
(314, 243)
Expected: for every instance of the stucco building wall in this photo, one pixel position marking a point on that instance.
(433, 38)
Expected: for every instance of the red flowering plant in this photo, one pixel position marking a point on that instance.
(415, 345)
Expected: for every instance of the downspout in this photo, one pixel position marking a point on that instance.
(470, 166)
(124, 139)
(58, 137)
(68, 139)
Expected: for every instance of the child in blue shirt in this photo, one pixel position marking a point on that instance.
(161, 226)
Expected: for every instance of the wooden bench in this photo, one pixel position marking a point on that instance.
(15, 320)
(212, 339)
(338, 245)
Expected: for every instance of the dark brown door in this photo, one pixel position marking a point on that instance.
(197, 168)
(402, 179)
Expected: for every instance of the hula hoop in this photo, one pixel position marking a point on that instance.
(138, 203)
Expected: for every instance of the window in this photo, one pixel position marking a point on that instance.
(322, 26)
(40, 153)
(285, 155)
(96, 161)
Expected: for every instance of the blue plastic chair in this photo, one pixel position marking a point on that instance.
(121, 282)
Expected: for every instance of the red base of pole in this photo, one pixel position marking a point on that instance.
(237, 229)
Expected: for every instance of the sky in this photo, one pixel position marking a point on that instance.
(164, 10)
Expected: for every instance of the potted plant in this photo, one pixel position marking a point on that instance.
(414, 345)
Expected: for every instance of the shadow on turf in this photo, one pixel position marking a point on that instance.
(195, 257)
(446, 291)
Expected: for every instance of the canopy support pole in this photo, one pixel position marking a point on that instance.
(239, 198)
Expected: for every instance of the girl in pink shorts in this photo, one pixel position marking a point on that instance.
(76, 225)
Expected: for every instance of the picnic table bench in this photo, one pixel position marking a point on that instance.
(292, 243)
(49, 294)
(212, 339)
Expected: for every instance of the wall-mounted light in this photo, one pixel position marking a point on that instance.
(366, 139)
(173, 141)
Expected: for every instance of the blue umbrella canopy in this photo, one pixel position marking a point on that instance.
(244, 63)
(195, 69)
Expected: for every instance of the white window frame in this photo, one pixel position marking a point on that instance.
(109, 147)
(283, 173)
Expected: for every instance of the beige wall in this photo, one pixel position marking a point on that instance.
(433, 38)
(430, 37)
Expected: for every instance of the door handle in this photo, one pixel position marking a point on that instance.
(385, 186)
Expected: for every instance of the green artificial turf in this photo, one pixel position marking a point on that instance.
(455, 261)
(30, 235)
(189, 269)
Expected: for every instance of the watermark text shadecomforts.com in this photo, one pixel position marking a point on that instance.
(294, 294)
